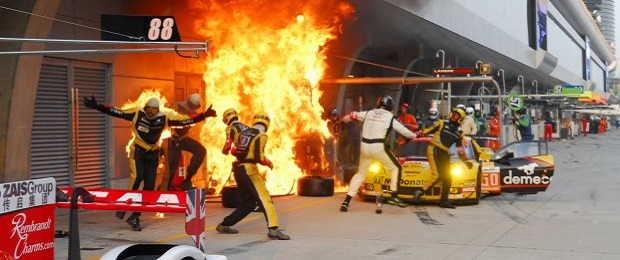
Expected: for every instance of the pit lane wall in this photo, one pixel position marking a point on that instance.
(27, 219)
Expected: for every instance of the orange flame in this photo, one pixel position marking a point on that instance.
(270, 56)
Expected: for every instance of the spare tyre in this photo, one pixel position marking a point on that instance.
(315, 186)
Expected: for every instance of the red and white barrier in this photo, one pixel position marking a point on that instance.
(27, 213)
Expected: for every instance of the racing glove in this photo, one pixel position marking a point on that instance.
(469, 164)
(208, 113)
(92, 103)
(227, 146)
(267, 163)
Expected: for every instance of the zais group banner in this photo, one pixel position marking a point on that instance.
(27, 211)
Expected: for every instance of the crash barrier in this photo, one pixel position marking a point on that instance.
(28, 207)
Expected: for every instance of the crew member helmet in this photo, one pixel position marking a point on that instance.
(433, 113)
(461, 106)
(193, 101)
(457, 115)
(333, 114)
(261, 118)
(469, 111)
(405, 105)
(151, 108)
(152, 103)
(386, 102)
(229, 115)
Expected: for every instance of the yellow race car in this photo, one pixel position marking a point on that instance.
(466, 182)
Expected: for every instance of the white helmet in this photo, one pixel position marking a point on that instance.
(194, 101)
(152, 102)
(461, 106)
(469, 111)
(432, 113)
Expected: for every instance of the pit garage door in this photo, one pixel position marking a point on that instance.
(69, 140)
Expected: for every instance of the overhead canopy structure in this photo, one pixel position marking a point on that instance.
(602, 112)
(110, 47)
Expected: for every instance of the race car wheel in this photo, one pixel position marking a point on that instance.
(315, 186)
(230, 197)
(157, 251)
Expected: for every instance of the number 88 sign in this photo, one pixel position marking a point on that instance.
(146, 28)
(161, 30)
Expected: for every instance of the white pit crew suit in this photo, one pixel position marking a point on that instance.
(377, 124)
(469, 126)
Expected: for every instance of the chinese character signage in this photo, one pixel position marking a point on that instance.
(27, 213)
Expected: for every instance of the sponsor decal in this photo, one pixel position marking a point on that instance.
(528, 169)
(27, 194)
(490, 169)
(456, 196)
(405, 182)
(27, 218)
(525, 179)
(491, 180)
(469, 189)
(377, 179)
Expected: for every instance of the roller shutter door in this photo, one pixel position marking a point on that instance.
(69, 140)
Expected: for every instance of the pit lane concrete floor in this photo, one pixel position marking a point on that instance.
(576, 218)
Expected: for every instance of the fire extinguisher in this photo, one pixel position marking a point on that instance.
(179, 175)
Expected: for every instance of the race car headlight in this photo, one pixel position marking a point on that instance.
(456, 170)
(375, 167)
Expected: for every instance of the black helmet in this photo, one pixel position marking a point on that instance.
(386, 102)
(522, 111)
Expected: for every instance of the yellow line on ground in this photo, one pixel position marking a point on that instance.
(247, 219)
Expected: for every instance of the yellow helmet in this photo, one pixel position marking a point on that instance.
(457, 115)
(229, 115)
(261, 118)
